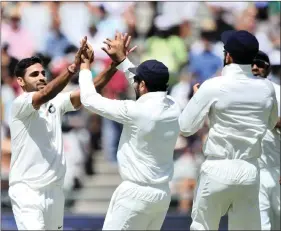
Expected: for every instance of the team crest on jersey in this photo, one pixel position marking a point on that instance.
(51, 108)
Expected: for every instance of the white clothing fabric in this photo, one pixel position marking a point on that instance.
(269, 162)
(145, 153)
(37, 209)
(150, 129)
(239, 106)
(36, 139)
(215, 198)
(269, 198)
(232, 171)
(137, 207)
(270, 155)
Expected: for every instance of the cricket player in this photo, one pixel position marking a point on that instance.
(38, 163)
(145, 152)
(269, 161)
(240, 108)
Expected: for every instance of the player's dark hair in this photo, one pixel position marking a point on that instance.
(152, 87)
(22, 65)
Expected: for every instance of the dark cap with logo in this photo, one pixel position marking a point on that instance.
(241, 45)
(152, 72)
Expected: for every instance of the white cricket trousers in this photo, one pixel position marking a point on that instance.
(40, 209)
(227, 187)
(269, 197)
(137, 207)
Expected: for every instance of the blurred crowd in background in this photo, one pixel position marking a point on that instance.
(183, 35)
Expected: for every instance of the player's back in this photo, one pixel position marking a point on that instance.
(242, 108)
(146, 147)
(239, 117)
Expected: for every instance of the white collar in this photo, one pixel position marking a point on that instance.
(152, 95)
(234, 69)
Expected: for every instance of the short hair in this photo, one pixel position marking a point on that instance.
(23, 64)
(152, 87)
(156, 87)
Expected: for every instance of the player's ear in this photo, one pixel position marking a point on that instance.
(21, 81)
(142, 84)
(229, 59)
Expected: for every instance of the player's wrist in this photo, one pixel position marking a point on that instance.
(121, 58)
(85, 65)
(118, 61)
(114, 65)
(72, 69)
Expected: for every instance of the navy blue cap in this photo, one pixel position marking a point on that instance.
(241, 45)
(263, 57)
(152, 72)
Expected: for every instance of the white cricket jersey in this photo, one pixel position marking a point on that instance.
(36, 139)
(150, 129)
(240, 108)
(270, 156)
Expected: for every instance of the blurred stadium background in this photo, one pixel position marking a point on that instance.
(183, 35)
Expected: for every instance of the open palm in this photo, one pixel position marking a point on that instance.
(118, 49)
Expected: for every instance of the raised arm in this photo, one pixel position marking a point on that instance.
(194, 114)
(118, 50)
(112, 109)
(106, 75)
(124, 67)
(59, 83)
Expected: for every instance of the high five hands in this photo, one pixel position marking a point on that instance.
(85, 55)
(75, 66)
(118, 49)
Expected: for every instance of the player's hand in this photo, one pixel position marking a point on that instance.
(88, 54)
(128, 39)
(74, 67)
(118, 49)
(196, 87)
(82, 47)
(87, 57)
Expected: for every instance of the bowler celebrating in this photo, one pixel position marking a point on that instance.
(38, 164)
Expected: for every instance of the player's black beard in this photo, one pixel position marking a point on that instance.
(137, 92)
(255, 72)
(224, 60)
